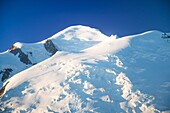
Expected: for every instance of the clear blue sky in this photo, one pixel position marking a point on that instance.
(34, 20)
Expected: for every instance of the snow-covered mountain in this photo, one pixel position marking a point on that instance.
(91, 73)
(22, 56)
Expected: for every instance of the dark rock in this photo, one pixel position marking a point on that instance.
(23, 57)
(2, 90)
(50, 47)
(5, 73)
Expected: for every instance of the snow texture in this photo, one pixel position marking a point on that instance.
(93, 73)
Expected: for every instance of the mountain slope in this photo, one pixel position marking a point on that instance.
(101, 74)
(22, 56)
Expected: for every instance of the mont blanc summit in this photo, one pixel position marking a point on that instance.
(81, 70)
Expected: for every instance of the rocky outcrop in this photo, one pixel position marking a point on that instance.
(2, 90)
(23, 57)
(5, 73)
(50, 47)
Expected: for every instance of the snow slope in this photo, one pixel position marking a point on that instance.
(22, 55)
(95, 73)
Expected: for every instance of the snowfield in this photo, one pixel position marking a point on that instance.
(93, 73)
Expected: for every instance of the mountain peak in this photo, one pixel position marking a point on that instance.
(80, 32)
(90, 73)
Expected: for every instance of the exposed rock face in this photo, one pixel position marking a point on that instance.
(23, 57)
(50, 47)
(5, 73)
(2, 90)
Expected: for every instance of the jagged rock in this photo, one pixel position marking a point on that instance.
(5, 73)
(23, 57)
(2, 90)
(50, 47)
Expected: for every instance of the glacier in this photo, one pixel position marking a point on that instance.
(89, 72)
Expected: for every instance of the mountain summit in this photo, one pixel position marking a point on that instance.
(82, 70)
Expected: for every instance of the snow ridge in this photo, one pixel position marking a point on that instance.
(101, 74)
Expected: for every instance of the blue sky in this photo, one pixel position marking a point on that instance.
(31, 21)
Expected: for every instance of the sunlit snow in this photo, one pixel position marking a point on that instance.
(93, 72)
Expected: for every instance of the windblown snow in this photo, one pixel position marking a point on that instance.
(92, 72)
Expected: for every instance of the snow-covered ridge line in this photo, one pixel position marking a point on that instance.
(84, 28)
(21, 56)
(24, 55)
(93, 73)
